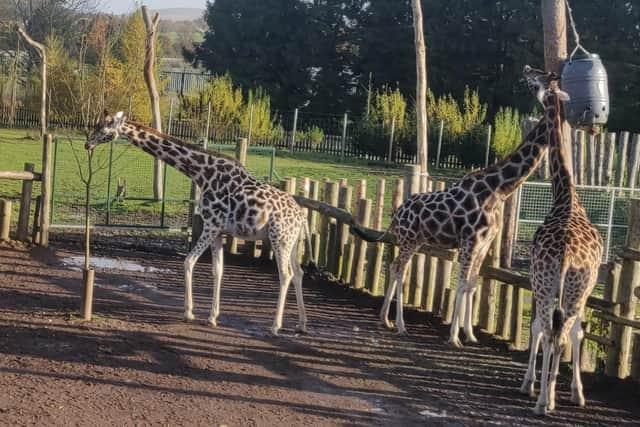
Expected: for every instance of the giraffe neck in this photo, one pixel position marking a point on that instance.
(563, 188)
(198, 165)
(514, 169)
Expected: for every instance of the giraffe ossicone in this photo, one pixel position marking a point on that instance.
(232, 202)
(567, 250)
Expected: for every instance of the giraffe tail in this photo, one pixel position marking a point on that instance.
(558, 317)
(307, 237)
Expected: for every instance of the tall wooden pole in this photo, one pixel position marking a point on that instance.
(554, 28)
(150, 79)
(421, 92)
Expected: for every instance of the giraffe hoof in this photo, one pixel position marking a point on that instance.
(188, 317)
(301, 329)
(577, 399)
(212, 322)
(471, 340)
(455, 342)
(274, 331)
(527, 388)
(387, 323)
(541, 410)
(402, 332)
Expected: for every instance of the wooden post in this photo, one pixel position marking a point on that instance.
(635, 161)
(363, 217)
(591, 160)
(348, 240)
(448, 305)
(623, 142)
(503, 327)
(611, 292)
(304, 192)
(621, 335)
(580, 157)
(331, 195)
(374, 270)
(610, 145)
(433, 288)
(396, 200)
(601, 144)
(25, 206)
(87, 293)
(487, 316)
(314, 192)
(45, 189)
(413, 280)
(421, 92)
(509, 221)
(344, 202)
(241, 150)
(5, 219)
(35, 232)
(517, 319)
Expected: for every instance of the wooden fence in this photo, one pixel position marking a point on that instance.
(42, 213)
(502, 303)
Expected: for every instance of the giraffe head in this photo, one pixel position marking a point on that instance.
(107, 129)
(544, 85)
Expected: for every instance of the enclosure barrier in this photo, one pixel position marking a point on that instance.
(500, 308)
(42, 211)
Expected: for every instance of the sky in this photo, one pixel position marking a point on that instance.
(124, 6)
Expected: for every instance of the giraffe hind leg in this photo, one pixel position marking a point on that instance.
(208, 234)
(285, 273)
(217, 266)
(298, 274)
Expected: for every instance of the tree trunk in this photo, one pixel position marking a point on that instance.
(150, 79)
(43, 95)
(554, 27)
(421, 92)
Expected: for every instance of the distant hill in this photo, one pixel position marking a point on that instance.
(180, 13)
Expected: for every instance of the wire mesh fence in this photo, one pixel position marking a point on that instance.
(605, 206)
(121, 187)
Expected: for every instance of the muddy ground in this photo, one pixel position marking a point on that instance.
(137, 363)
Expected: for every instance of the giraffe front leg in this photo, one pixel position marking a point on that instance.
(217, 266)
(459, 307)
(384, 311)
(468, 313)
(557, 356)
(401, 329)
(577, 334)
(530, 377)
(478, 254)
(189, 262)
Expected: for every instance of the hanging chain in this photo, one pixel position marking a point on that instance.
(576, 36)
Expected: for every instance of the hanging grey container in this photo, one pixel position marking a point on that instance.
(585, 80)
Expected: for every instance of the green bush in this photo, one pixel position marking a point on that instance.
(507, 134)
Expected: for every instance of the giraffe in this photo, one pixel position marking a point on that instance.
(465, 216)
(232, 202)
(567, 250)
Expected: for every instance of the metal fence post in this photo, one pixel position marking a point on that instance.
(206, 134)
(607, 246)
(250, 124)
(344, 136)
(440, 131)
(486, 156)
(393, 129)
(292, 140)
(53, 176)
(170, 124)
(517, 220)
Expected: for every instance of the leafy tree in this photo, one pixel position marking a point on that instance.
(506, 134)
(261, 44)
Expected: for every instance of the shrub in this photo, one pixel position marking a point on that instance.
(315, 136)
(507, 134)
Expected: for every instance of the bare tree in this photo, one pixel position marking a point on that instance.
(421, 92)
(39, 48)
(150, 79)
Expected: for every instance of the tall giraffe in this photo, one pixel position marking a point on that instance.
(567, 250)
(465, 216)
(232, 202)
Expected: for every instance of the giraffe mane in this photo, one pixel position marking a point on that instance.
(182, 143)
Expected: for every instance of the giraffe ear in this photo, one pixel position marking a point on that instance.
(562, 95)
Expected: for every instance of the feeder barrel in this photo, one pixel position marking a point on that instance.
(585, 80)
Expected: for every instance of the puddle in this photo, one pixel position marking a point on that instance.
(77, 262)
(432, 414)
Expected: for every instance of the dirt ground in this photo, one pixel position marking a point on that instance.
(137, 363)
